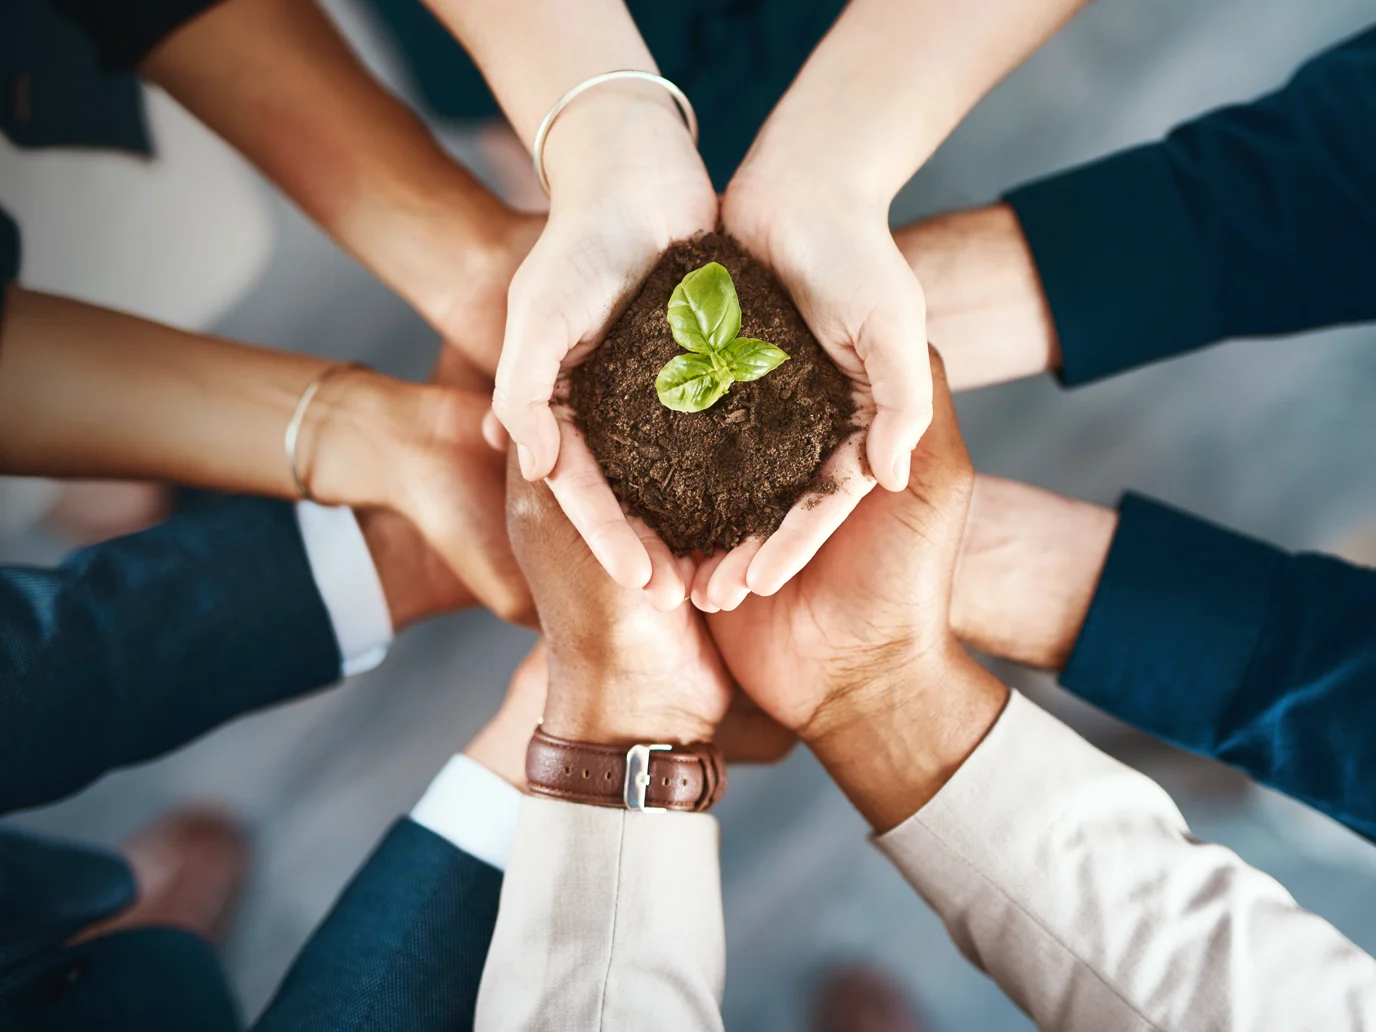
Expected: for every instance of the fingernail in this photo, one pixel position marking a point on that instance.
(526, 457)
(900, 468)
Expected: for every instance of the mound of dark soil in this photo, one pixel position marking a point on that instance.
(706, 480)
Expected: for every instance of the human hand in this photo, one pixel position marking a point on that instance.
(626, 182)
(500, 745)
(835, 255)
(620, 671)
(986, 310)
(462, 292)
(856, 653)
(417, 451)
(1029, 566)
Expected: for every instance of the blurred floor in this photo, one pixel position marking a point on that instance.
(1272, 437)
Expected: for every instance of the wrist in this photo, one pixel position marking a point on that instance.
(619, 709)
(415, 583)
(620, 131)
(442, 240)
(1029, 565)
(357, 427)
(893, 744)
(986, 310)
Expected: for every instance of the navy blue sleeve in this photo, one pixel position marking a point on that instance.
(1253, 220)
(136, 646)
(124, 31)
(402, 950)
(1234, 649)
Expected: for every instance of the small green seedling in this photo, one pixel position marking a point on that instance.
(705, 316)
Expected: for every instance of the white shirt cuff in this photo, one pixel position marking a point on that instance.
(348, 583)
(473, 808)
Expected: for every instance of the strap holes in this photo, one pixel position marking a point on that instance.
(685, 781)
(608, 775)
(568, 770)
(666, 781)
(586, 773)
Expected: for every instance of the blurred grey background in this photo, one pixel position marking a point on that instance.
(1273, 437)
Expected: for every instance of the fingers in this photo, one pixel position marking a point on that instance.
(665, 589)
(944, 437)
(702, 578)
(494, 433)
(809, 523)
(535, 347)
(581, 488)
(729, 586)
(892, 345)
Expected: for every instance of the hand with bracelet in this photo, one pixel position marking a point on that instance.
(625, 180)
(86, 392)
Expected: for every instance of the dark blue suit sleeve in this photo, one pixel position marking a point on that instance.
(1232, 648)
(1252, 220)
(402, 950)
(136, 646)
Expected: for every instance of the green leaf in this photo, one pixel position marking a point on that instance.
(691, 383)
(704, 312)
(749, 359)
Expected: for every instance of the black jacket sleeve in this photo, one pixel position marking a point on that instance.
(124, 31)
(138, 645)
(1252, 220)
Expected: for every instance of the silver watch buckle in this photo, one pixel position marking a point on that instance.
(638, 777)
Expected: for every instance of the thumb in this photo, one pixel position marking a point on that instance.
(892, 345)
(535, 346)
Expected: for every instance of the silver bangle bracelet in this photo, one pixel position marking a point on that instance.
(298, 417)
(685, 108)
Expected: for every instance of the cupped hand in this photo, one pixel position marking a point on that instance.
(858, 295)
(417, 450)
(619, 669)
(614, 208)
(874, 601)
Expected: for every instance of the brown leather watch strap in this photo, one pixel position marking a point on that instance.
(687, 778)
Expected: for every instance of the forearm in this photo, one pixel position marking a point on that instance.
(892, 745)
(890, 82)
(1252, 220)
(1075, 883)
(1029, 564)
(532, 52)
(986, 312)
(88, 392)
(275, 79)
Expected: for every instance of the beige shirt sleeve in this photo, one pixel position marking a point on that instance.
(609, 921)
(1074, 882)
